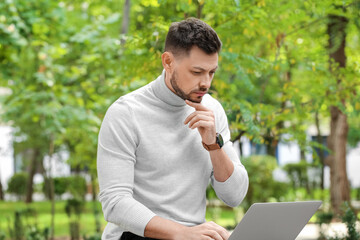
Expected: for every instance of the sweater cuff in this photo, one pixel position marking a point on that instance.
(141, 219)
(234, 189)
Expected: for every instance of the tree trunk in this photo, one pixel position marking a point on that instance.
(240, 149)
(1, 190)
(51, 187)
(271, 146)
(94, 201)
(31, 172)
(126, 20)
(321, 151)
(339, 188)
(199, 9)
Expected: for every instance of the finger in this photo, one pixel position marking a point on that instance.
(206, 238)
(222, 231)
(208, 113)
(202, 123)
(197, 106)
(199, 114)
(199, 118)
(214, 235)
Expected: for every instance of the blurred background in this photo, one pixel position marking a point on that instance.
(289, 80)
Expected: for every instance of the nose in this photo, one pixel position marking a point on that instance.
(205, 81)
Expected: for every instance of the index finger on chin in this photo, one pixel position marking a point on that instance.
(197, 106)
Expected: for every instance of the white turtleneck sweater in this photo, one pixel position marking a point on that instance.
(149, 163)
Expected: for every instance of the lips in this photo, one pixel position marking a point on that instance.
(200, 93)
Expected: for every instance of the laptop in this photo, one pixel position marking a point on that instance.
(274, 221)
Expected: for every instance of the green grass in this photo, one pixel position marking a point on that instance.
(43, 217)
(225, 217)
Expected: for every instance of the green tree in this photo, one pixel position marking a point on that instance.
(17, 184)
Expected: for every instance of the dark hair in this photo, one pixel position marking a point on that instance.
(182, 36)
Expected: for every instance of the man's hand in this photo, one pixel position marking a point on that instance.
(161, 228)
(204, 120)
(205, 231)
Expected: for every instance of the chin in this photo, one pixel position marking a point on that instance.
(197, 100)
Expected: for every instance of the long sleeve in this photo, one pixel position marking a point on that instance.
(234, 189)
(115, 164)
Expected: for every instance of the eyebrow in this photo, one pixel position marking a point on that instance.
(203, 69)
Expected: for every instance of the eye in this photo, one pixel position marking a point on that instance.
(196, 73)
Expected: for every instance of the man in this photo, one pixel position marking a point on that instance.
(160, 145)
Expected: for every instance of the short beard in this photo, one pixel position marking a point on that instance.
(181, 93)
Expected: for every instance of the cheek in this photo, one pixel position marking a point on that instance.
(192, 81)
(186, 81)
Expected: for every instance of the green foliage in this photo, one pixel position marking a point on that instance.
(34, 233)
(354, 129)
(74, 227)
(43, 215)
(2, 235)
(357, 196)
(349, 218)
(262, 186)
(74, 207)
(17, 184)
(298, 175)
(77, 187)
(61, 185)
(25, 226)
(93, 237)
(324, 217)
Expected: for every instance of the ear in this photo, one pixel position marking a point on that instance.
(168, 59)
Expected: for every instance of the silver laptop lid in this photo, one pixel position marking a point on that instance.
(274, 221)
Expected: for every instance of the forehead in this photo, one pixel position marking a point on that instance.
(197, 58)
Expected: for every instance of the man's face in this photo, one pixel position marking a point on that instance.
(192, 74)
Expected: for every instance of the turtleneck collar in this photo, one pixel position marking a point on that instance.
(162, 91)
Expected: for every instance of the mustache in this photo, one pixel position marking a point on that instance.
(200, 90)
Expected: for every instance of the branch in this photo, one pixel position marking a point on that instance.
(242, 132)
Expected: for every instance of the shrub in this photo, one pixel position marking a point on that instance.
(298, 175)
(77, 187)
(60, 185)
(349, 218)
(262, 186)
(17, 184)
(323, 219)
(25, 226)
(2, 235)
(96, 236)
(73, 209)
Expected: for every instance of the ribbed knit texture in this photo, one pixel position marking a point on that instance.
(149, 163)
